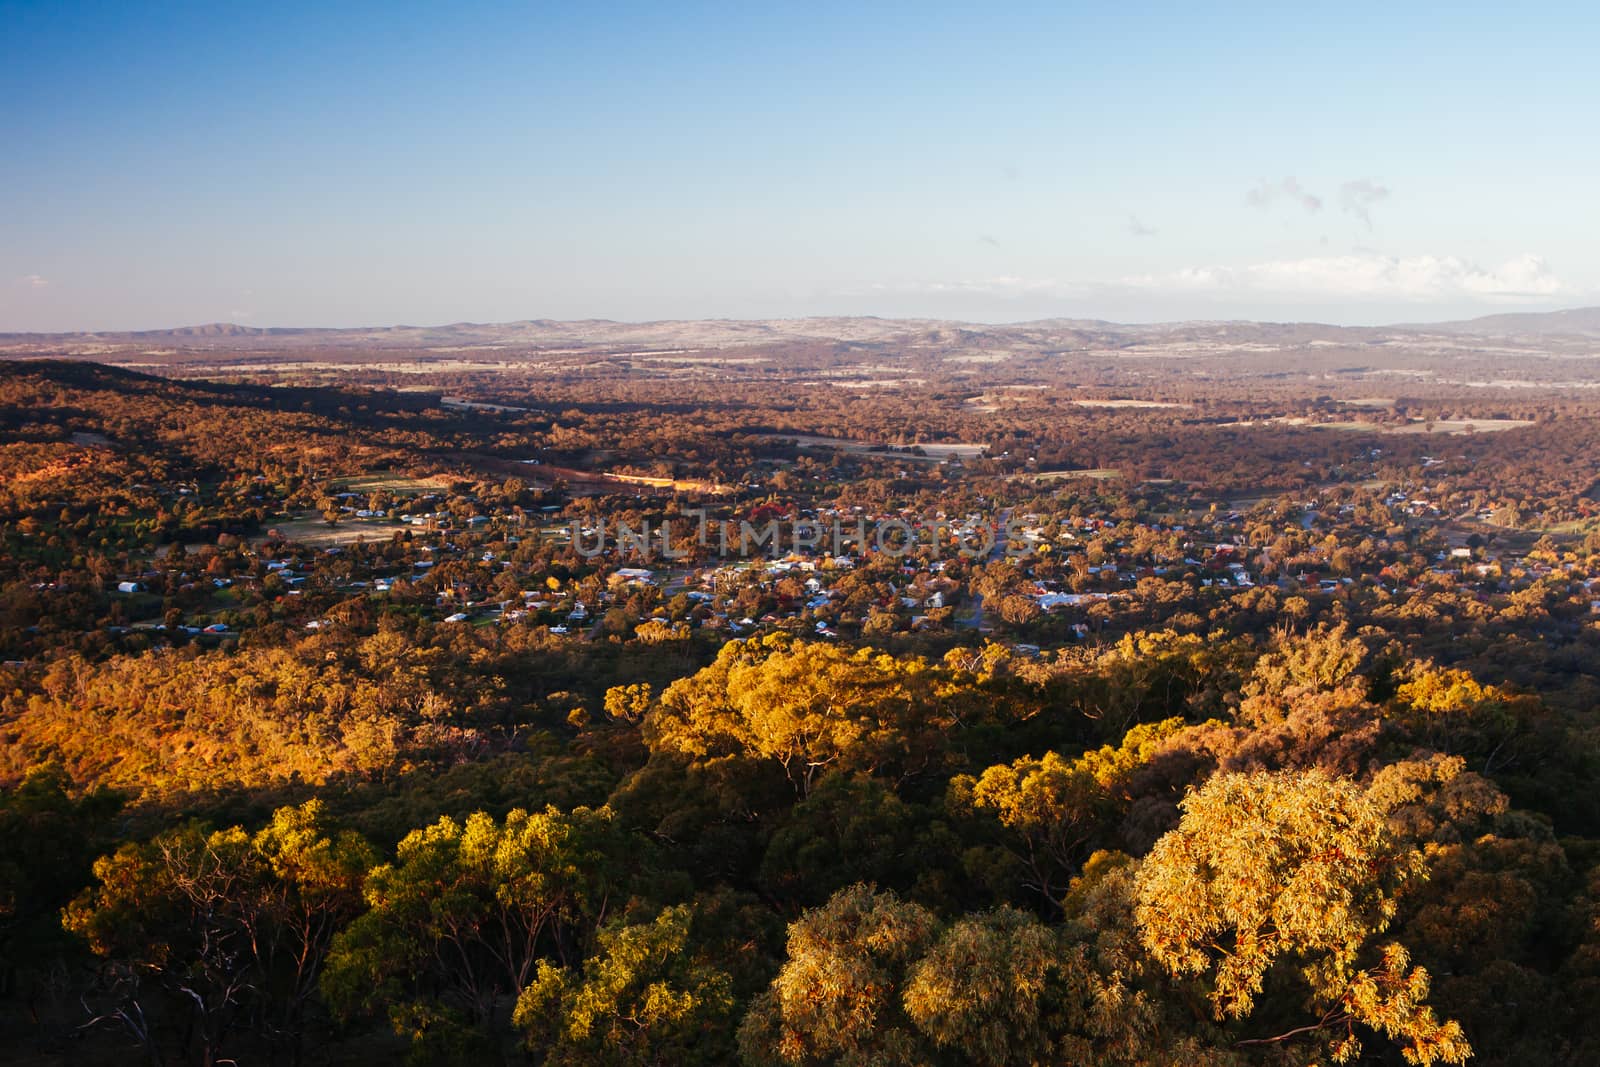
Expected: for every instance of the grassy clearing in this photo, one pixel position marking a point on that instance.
(1100, 473)
(308, 531)
(1443, 427)
(1576, 527)
(1127, 404)
(933, 452)
(393, 483)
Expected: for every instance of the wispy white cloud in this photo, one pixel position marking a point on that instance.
(1369, 276)
(1357, 198)
(1139, 229)
(35, 281)
(1359, 278)
(1266, 193)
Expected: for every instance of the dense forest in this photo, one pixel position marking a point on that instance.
(1261, 731)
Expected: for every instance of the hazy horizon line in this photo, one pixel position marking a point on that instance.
(732, 319)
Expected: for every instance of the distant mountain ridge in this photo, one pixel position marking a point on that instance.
(1571, 321)
(669, 333)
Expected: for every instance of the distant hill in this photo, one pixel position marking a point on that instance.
(1571, 322)
(1543, 333)
(691, 332)
(535, 332)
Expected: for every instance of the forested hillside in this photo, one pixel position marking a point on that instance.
(1242, 739)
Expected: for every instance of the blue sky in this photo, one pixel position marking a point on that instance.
(351, 164)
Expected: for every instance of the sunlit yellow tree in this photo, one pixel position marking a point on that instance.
(1301, 869)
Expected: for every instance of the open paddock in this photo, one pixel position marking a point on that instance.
(394, 483)
(1097, 473)
(931, 452)
(1441, 427)
(1128, 404)
(309, 531)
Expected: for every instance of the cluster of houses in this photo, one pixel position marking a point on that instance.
(738, 595)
